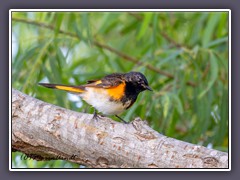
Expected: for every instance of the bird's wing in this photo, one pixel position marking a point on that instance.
(109, 81)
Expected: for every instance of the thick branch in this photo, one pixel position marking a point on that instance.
(44, 131)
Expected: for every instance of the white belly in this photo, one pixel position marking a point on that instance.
(98, 99)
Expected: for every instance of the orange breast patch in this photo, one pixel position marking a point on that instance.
(117, 92)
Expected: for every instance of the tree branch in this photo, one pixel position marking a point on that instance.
(44, 131)
(96, 43)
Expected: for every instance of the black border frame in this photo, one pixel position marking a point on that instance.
(235, 86)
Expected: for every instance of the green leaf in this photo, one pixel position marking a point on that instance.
(58, 20)
(210, 28)
(223, 125)
(61, 58)
(222, 28)
(145, 25)
(79, 32)
(155, 30)
(171, 57)
(127, 29)
(213, 75)
(109, 21)
(177, 103)
(18, 63)
(172, 124)
(197, 28)
(86, 27)
(166, 105)
(55, 70)
(35, 67)
(217, 42)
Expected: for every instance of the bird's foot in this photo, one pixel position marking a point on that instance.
(97, 116)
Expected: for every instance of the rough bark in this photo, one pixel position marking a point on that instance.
(44, 131)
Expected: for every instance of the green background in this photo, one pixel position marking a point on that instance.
(184, 56)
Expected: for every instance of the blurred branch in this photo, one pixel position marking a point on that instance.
(45, 132)
(134, 60)
(43, 25)
(98, 44)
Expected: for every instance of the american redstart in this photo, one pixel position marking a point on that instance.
(112, 94)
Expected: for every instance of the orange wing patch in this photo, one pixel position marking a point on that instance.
(70, 89)
(117, 92)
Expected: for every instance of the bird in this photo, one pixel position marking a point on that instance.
(111, 95)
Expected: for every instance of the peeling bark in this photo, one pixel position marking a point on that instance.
(44, 131)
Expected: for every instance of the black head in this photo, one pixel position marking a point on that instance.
(138, 81)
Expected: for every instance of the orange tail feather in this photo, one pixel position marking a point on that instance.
(68, 88)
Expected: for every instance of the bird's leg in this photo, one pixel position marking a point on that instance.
(121, 119)
(95, 115)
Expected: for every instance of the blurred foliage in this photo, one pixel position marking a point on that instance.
(184, 56)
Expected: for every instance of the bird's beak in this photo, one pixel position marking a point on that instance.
(148, 88)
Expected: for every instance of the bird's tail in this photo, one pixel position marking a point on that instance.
(68, 88)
